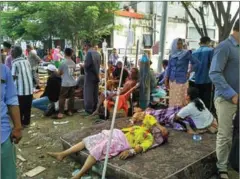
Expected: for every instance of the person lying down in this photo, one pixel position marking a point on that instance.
(192, 118)
(126, 142)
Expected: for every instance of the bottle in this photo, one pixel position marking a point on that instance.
(197, 137)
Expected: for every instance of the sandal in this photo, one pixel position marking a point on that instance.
(57, 117)
(98, 121)
(223, 175)
(69, 113)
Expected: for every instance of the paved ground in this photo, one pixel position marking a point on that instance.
(43, 136)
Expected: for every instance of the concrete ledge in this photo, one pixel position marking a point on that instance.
(180, 158)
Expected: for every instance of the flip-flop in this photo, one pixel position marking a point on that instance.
(84, 114)
(92, 117)
(99, 121)
(69, 113)
(81, 111)
(56, 117)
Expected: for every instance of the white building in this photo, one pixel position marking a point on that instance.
(179, 24)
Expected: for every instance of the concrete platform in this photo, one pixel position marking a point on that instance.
(180, 158)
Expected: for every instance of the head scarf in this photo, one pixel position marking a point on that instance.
(177, 53)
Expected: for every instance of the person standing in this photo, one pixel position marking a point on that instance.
(178, 73)
(91, 88)
(66, 70)
(224, 73)
(147, 81)
(114, 57)
(34, 60)
(9, 111)
(7, 49)
(202, 81)
(22, 74)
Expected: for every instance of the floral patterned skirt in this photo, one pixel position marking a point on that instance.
(177, 94)
(97, 144)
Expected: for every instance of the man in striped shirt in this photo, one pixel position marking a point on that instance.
(21, 72)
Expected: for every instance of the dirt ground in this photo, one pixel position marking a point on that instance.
(43, 136)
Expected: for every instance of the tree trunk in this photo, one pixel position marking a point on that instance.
(50, 41)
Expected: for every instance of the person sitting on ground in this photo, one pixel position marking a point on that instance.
(193, 118)
(112, 94)
(48, 56)
(110, 80)
(78, 94)
(117, 73)
(66, 70)
(197, 111)
(161, 77)
(128, 142)
(80, 84)
(51, 92)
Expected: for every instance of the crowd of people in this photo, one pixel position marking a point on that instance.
(189, 78)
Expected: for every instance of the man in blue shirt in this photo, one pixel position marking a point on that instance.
(202, 81)
(224, 73)
(9, 105)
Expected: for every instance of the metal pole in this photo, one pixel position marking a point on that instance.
(136, 60)
(163, 34)
(115, 108)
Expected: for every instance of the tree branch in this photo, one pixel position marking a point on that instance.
(192, 18)
(221, 10)
(217, 20)
(228, 7)
(234, 17)
(203, 21)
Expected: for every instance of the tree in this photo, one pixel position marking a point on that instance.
(68, 20)
(222, 17)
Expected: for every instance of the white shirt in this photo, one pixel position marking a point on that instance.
(201, 119)
(21, 68)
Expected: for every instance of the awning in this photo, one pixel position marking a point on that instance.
(129, 14)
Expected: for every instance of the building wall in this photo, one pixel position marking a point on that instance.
(179, 24)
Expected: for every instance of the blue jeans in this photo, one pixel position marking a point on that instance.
(41, 103)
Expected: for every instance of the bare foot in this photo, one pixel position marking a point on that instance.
(190, 131)
(75, 177)
(56, 155)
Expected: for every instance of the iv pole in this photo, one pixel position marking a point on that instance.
(115, 107)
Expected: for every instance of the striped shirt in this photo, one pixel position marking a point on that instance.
(21, 69)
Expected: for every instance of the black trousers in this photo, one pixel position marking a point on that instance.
(25, 105)
(205, 93)
(90, 96)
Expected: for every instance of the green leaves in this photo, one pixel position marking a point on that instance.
(70, 20)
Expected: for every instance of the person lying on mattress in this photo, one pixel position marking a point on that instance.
(193, 118)
(128, 142)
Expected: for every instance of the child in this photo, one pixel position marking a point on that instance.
(66, 70)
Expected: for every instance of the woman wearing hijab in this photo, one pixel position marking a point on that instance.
(178, 73)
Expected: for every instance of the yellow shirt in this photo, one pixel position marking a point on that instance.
(140, 135)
